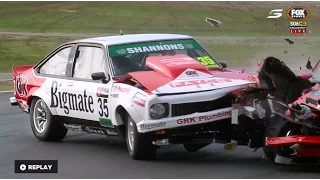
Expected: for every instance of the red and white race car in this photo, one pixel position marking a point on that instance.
(152, 89)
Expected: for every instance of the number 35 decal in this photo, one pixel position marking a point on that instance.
(104, 111)
(207, 61)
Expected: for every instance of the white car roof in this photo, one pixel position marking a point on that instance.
(133, 38)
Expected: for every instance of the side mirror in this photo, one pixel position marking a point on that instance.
(100, 76)
(223, 64)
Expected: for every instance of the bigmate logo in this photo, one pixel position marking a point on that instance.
(71, 101)
(79, 102)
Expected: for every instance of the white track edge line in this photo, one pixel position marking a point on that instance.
(5, 91)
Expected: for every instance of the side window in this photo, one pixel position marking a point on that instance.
(90, 60)
(57, 64)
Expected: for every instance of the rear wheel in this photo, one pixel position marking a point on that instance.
(139, 145)
(45, 127)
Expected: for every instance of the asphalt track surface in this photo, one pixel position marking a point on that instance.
(82, 155)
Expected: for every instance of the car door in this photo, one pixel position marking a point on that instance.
(88, 98)
(56, 72)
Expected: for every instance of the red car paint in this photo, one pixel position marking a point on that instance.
(173, 66)
(308, 153)
(290, 140)
(31, 84)
(164, 72)
(310, 144)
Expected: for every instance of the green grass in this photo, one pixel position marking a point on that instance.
(6, 86)
(243, 52)
(24, 50)
(246, 53)
(238, 18)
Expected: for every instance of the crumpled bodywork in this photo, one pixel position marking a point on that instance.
(281, 82)
(294, 99)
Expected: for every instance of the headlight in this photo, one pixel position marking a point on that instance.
(158, 111)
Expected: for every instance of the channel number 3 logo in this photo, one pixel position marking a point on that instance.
(275, 13)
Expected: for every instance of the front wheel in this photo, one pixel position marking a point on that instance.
(139, 145)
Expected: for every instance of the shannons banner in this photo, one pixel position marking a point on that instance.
(121, 50)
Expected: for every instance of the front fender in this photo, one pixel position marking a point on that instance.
(132, 102)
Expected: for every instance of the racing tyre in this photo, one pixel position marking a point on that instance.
(45, 127)
(139, 145)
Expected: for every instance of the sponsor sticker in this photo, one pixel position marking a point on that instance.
(204, 118)
(73, 127)
(114, 95)
(112, 132)
(139, 100)
(121, 50)
(71, 101)
(21, 86)
(94, 130)
(36, 166)
(102, 92)
(155, 48)
(79, 102)
(207, 62)
(198, 82)
(105, 122)
(192, 73)
(119, 89)
(152, 126)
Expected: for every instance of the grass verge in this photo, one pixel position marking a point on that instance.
(238, 18)
(6, 86)
(237, 51)
(25, 50)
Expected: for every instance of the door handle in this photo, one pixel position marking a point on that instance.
(70, 83)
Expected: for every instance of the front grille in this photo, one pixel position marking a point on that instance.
(204, 106)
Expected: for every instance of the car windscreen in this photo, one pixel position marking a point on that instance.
(132, 57)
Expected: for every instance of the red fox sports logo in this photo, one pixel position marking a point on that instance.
(298, 13)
